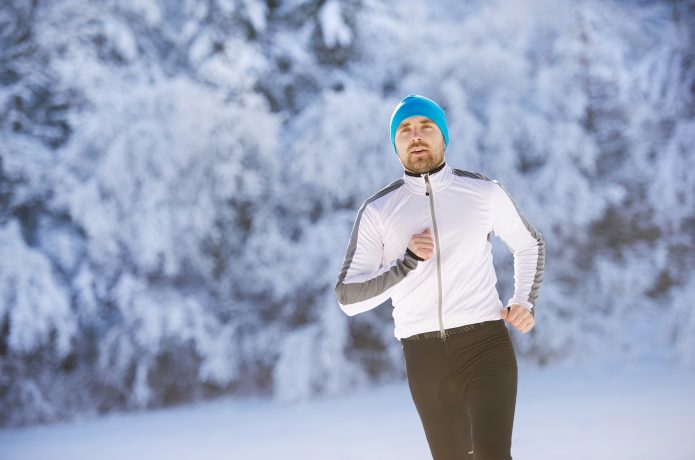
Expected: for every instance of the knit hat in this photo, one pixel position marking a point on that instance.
(418, 105)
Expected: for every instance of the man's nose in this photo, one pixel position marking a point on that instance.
(417, 134)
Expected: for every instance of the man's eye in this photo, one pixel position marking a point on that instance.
(427, 126)
(405, 130)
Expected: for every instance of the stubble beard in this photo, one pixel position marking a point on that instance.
(419, 165)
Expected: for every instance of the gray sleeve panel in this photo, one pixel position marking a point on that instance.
(348, 293)
(540, 264)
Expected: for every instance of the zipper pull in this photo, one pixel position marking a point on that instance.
(427, 184)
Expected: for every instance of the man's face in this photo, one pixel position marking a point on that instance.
(419, 144)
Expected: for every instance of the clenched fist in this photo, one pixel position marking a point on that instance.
(519, 317)
(422, 244)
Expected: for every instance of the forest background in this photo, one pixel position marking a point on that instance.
(178, 181)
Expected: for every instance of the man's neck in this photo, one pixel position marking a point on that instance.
(431, 171)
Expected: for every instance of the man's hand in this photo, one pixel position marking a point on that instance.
(422, 244)
(519, 317)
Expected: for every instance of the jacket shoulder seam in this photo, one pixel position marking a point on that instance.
(384, 191)
(471, 175)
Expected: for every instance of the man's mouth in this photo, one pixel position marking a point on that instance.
(417, 151)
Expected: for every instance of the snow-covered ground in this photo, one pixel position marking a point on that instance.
(562, 412)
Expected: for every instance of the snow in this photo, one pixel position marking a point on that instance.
(179, 179)
(591, 412)
(333, 28)
(40, 305)
(257, 12)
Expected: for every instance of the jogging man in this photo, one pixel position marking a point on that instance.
(425, 242)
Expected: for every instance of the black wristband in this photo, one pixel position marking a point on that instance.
(417, 257)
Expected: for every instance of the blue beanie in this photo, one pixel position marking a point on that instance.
(418, 105)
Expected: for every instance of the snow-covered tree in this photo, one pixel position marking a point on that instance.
(178, 181)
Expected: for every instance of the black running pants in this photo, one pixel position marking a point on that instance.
(464, 389)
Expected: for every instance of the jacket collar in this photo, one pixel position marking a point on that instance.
(439, 177)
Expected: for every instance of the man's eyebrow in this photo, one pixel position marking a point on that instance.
(407, 123)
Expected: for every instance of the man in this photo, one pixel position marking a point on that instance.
(425, 242)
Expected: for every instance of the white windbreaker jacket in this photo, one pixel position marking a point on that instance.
(457, 285)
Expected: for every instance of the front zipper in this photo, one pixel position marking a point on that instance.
(442, 331)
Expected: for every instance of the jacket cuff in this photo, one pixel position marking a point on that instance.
(525, 303)
(413, 255)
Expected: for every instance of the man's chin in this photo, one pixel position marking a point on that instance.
(421, 166)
